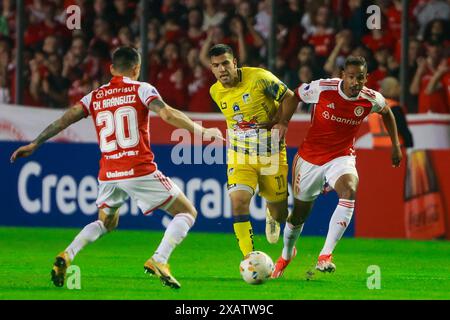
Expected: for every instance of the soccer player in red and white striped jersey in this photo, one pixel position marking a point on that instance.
(327, 155)
(120, 112)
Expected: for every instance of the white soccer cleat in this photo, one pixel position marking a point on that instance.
(272, 228)
(324, 263)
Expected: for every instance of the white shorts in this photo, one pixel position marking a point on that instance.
(308, 180)
(151, 192)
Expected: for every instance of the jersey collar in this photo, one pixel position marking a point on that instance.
(119, 78)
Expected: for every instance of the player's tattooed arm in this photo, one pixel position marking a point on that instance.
(180, 120)
(72, 115)
(156, 105)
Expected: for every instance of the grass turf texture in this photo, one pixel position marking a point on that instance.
(207, 267)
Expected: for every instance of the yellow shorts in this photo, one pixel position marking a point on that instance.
(246, 172)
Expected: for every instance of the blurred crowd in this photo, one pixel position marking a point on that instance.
(313, 39)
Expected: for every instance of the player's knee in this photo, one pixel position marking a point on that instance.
(279, 215)
(240, 205)
(348, 190)
(300, 213)
(193, 212)
(110, 223)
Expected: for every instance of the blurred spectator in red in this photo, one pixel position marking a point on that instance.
(238, 37)
(379, 38)
(305, 56)
(356, 21)
(195, 33)
(343, 47)
(437, 31)
(428, 10)
(5, 60)
(102, 34)
(51, 45)
(432, 81)
(394, 18)
(173, 8)
(263, 18)
(80, 88)
(376, 76)
(216, 35)
(289, 39)
(198, 83)
(124, 38)
(38, 72)
(386, 66)
(155, 42)
(41, 27)
(173, 32)
(321, 34)
(171, 77)
(253, 38)
(36, 9)
(123, 15)
(103, 9)
(54, 85)
(212, 14)
(193, 4)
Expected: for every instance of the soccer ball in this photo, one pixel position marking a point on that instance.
(256, 267)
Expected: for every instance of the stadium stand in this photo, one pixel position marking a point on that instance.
(314, 37)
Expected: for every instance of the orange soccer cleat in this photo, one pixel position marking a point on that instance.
(162, 271)
(282, 264)
(62, 262)
(324, 263)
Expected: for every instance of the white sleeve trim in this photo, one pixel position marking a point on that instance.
(309, 92)
(86, 102)
(147, 93)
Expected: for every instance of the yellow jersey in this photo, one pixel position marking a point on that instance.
(249, 107)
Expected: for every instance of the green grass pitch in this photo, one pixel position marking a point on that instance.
(207, 267)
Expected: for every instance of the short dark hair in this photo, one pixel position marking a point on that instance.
(125, 59)
(355, 61)
(220, 49)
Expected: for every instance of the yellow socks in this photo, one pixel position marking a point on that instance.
(244, 233)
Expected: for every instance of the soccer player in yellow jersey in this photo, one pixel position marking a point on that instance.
(249, 98)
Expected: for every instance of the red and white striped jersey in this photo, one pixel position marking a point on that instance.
(122, 121)
(335, 119)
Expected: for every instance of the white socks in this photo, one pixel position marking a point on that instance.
(338, 224)
(290, 236)
(89, 234)
(175, 233)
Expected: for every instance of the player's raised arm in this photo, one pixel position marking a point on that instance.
(180, 120)
(72, 115)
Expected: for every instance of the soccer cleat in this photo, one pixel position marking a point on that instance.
(324, 263)
(62, 262)
(272, 228)
(162, 271)
(281, 264)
